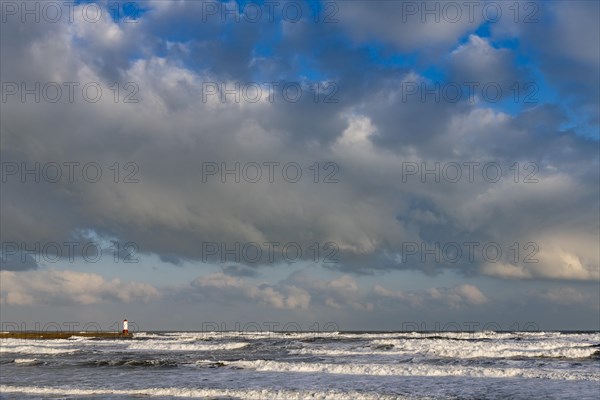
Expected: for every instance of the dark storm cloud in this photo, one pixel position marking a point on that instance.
(11, 260)
(370, 133)
(171, 259)
(565, 42)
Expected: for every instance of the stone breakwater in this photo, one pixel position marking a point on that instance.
(64, 335)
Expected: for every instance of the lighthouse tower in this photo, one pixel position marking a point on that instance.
(125, 327)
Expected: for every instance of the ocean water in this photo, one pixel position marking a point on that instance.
(338, 365)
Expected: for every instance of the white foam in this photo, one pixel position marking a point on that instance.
(151, 345)
(571, 337)
(146, 335)
(25, 361)
(416, 370)
(574, 353)
(36, 349)
(60, 346)
(199, 393)
(261, 335)
(476, 335)
(554, 347)
(501, 349)
(49, 346)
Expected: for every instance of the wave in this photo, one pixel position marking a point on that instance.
(160, 363)
(316, 336)
(49, 346)
(177, 346)
(63, 346)
(37, 350)
(251, 394)
(513, 349)
(445, 349)
(215, 335)
(28, 361)
(415, 370)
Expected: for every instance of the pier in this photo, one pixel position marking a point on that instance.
(63, 335)
(43, 335)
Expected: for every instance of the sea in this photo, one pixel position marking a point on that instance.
(310, 365)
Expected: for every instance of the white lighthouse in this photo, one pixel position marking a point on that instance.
(125, 327)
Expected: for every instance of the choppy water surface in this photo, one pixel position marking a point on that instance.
(339, 365)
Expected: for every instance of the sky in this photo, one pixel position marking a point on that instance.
(300, 165)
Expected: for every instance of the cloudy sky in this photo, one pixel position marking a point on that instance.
(374, 164)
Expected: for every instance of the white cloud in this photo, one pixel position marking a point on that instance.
(567, 296)
(470, 293)
(279, 296)
(360, 128)
(568, 255)
(339, 293)
(65, 286)
(394, 23)
(478, 61)
(171, 131)
(455, 297)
